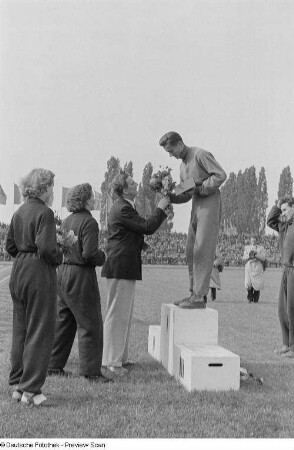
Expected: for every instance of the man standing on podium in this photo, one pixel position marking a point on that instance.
(201, 176)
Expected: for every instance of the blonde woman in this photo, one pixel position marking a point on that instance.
(31, 240)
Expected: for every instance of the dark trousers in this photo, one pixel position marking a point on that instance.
(78, 310)
(286, 307)
(33, 290)
(253, 295)
(213, 293)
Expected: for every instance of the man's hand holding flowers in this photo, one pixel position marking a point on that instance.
(163, 183)
(164, 203)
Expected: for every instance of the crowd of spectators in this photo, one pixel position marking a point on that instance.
(3, 233)
(169, 248)
(231, 248)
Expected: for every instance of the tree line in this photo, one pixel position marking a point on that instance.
(245, 200)
(244, 197)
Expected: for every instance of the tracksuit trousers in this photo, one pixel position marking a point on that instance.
(33, 290)
(78, 310)
(202, 240)
(286, 307)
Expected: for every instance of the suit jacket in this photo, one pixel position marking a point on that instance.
(125, 240)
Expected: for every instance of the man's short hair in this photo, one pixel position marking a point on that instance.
(78, 197)
(288, 200)
(119, 183)
(172, 137)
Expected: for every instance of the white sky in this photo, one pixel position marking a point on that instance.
(84, 80)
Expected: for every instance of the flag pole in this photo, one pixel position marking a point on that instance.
(13, 200)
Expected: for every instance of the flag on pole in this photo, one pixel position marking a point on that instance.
(64, 196)
(17, 195)
(97, 204)
(3, 196)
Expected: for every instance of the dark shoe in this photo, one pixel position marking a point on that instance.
(281, 351)
(58, 372)
(289, 354)
(128, 363)
(98, 378)
(188, 304)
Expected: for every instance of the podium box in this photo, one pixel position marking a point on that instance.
(207, 367)
(185, 326)
(154, 342)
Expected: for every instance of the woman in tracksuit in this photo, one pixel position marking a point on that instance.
(31, 240)
(79, 308)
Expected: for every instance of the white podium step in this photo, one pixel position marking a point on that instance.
(154, 342)
(206, 367)
(185, 326)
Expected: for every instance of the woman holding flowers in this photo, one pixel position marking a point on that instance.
(31, 240)
(79, 306)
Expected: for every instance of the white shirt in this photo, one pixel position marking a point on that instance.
(131, 202)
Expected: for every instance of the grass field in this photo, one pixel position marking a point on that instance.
(148, 403)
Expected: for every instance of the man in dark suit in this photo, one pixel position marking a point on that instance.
(123, 267)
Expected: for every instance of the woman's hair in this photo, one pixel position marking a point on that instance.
(36, 183)
(78, 196)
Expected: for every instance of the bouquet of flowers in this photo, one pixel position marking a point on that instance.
(66, 239)
(162, 181)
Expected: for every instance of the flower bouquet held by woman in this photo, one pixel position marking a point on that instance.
(66, 239)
